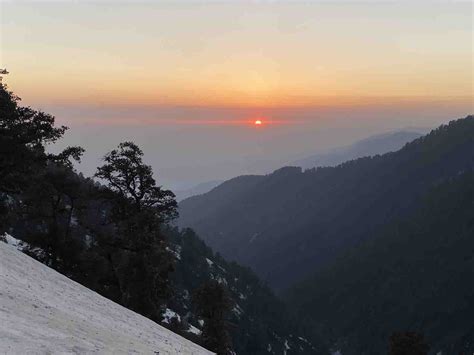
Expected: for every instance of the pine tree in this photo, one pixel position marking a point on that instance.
(24, 135)
(51, 203)
(408, 343)
(125, 174)
(212, 303)
(137, 249)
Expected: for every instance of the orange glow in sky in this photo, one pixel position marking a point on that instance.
(259, 122)
(239, 55)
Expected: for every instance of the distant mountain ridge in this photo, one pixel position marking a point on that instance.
(287, 224)
(378, 144)
(199, 189)
(373, 145)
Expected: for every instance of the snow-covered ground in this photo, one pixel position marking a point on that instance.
(42, 311)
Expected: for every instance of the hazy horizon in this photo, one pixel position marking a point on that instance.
(186, 80)
(225, 151)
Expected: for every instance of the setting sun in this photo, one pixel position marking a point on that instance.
(258, 123)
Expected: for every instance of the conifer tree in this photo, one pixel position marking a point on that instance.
(137, 249)
(408, 343)
(24, 135)
(212, 303)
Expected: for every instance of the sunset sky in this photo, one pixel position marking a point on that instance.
(184, 79)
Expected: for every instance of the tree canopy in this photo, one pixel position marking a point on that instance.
(125, 173)
(24, 135)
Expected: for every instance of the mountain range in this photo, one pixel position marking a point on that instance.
(374, 145)
(287, 224)
(378, 144)
(198, 189)
(364, 249)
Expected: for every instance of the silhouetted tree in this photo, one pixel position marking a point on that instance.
(137, 249)
(408, 343)
(212, 303)
(24, 134)
(132, 180)
(48, 213)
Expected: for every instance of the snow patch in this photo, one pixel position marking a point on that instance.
(44, 311)
(287, 347)
(219, 279)
(169, 314)
(176, 251)
(16, 243)
(74, 220)
(194, 330)
(88, 239)
(237, 310)
(209, 262)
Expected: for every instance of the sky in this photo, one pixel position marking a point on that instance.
(186, 80)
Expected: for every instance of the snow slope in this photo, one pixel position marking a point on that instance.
(42, 311)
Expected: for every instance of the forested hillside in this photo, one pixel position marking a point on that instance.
(414, 273)
(288, 224)
(260, 323)
(378, 144)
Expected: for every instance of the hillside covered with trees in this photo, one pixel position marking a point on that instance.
(413, 273)
(288, 224)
